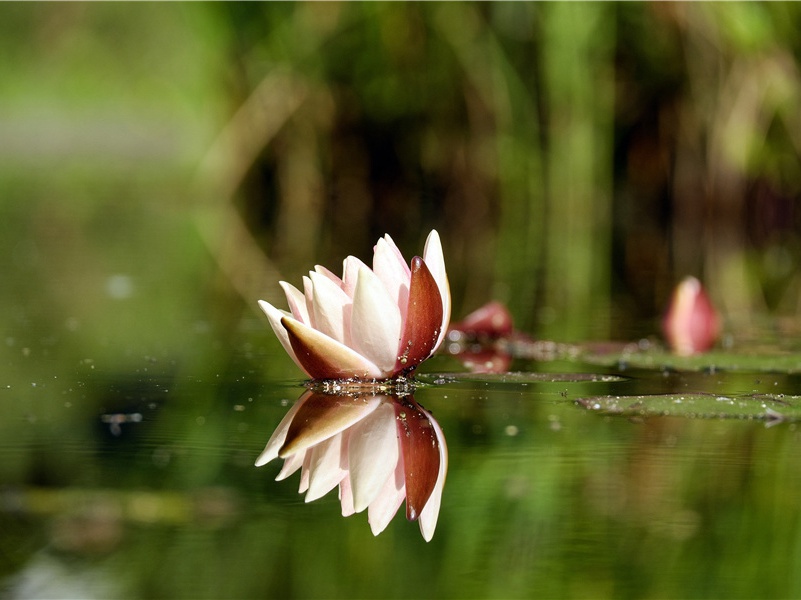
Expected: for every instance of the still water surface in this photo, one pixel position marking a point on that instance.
(136, 480)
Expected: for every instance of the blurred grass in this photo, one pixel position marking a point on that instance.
(577, 158)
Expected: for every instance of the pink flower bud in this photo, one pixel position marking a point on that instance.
(691, 324)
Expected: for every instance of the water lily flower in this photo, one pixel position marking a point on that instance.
(373, 323)
(378, 449)
(691, 324)
(491, 321)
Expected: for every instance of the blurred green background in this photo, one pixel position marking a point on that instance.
(578, 159)
(162, 166)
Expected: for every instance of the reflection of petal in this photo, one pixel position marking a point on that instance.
(322, 416)
(325, 469)
(430, 513)
(377, 449)
(372, 454)
(421, 455)
(279, 435)
(388, 501)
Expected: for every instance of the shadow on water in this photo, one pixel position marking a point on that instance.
(565, 479)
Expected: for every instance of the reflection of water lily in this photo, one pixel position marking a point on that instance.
(379, 450)
(372, 323)
(691, 324)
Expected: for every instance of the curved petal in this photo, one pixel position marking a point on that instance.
(323, 357)
(435, 261)
(350, 273)
(291, 465)
(423, 324)
(329, 305)
(386, 504)
(278, 437)
(375, 323)
(346, 497)
(430, 513)
(297, 302)
(421, 455)
(325, 468)
(308, 293)
(321, 270)
(392, 270)
(323, 416)
(372, 454)
(275, 317)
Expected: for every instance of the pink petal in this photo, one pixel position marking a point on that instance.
(322, 416)
(279, 435)
(376, 323)
(346, 497)
(291, 465)
(372, 454)
(297, 302)
(423, 324)
(321, 270)
(275, 317)
(308, 293)
(323, 357)
(421, 455)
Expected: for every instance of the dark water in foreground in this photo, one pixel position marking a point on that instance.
(137, 481)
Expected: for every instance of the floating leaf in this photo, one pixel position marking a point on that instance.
(765, 407)
(516, 378)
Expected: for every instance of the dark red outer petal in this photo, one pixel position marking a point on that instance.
(318, 411)
(314, 362)
(423, 319)
(420, 451)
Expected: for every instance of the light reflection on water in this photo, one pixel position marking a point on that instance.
(543, 497)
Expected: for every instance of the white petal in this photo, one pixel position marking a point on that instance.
(291, 464)
(304, 474)
(376, 322)
(275, 316)
(391, 268)
(388, 501)
(329, 305)
(325, 471)
(308, 293)
(435, 261)
(350, 272)
(346, 497)
(321, 270)
(297, 302)
(372, 454)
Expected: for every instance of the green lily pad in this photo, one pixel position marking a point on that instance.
(516, 378)
(765, 407)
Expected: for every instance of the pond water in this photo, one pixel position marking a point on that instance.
(136, 479)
